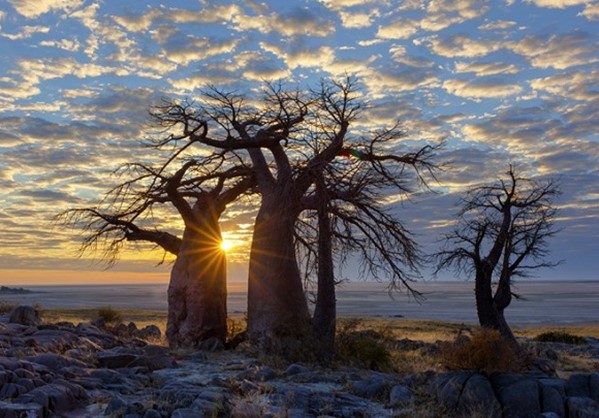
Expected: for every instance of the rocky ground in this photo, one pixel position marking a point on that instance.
(83, 370)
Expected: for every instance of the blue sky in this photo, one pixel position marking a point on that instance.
(501, 82)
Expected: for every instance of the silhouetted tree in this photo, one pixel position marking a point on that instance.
(502, 233)
(350, 217)
(198, 189)
(288, 137)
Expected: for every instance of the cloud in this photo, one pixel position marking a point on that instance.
(343, 4)
(462, 45)
(142, 22)
(71, 45)
(358, 19)
(183, 50)
(298, 22)
(35, 8)
(482, 88)
(26, 32)
(442, 14)
(486, 68)
(499, 24)
(558, 51)
(398, 29)
(591, 11)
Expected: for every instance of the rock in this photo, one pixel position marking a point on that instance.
(11, 391)
(518, 395)
(594, 386)
(25, 315)
(99, 322)
(478, 395)
(371, 388)
(184, 413)
(211, 344)
(150, 332)
(56, 362)
(18, 410)
(112, 360)
(295, 369)
(448, 388)
(400, 395)
(578, 385)
(553, 396)
(580, 407)
(152, 413)
(116, 406)
(56, 397)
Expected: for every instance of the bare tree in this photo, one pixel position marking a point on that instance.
(198, 190)
(351, 218)
(288, 136)
(502, 233)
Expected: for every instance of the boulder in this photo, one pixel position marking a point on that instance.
(594, 386)
(400, 395)
(448, 387)
(578, 385)
(56, 397)
(553, 396)
(518, 395)
(25, 315)
(56, 362)
(17, 410)
(582, 407)
(478, 395)
(112, 360)
(150, 332)
(370, 388)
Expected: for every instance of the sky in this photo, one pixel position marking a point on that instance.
(501, 82)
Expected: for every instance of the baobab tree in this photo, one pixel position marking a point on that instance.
(287, 137)
(347, 216)
(502, 233)
(198, 189)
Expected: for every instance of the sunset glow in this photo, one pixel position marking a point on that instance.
(501, 82)
(226, 245)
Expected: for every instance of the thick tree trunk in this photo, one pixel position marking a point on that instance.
(325, 310)
(277, 306)
(197, 293)
(490, 309)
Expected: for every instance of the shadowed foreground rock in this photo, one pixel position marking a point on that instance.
(64, 370)
(513, 395)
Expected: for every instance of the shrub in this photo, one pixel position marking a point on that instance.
(486, 351)
(110, 315)
(6, 307)
(363, 348)
(560, 337)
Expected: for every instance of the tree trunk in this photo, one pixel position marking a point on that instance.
(490, 313)
(277, 306)
(197, 293)
(484, 297)
(325, 311)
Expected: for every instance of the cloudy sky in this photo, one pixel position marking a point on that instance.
(506, 81)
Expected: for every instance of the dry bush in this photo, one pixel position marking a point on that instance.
(486, 351)
(560, 337)
(7, 307)
(363, 348)
(110, 315)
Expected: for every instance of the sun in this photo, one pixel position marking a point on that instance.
(226, 245)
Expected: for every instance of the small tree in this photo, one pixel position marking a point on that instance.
(502, 233)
